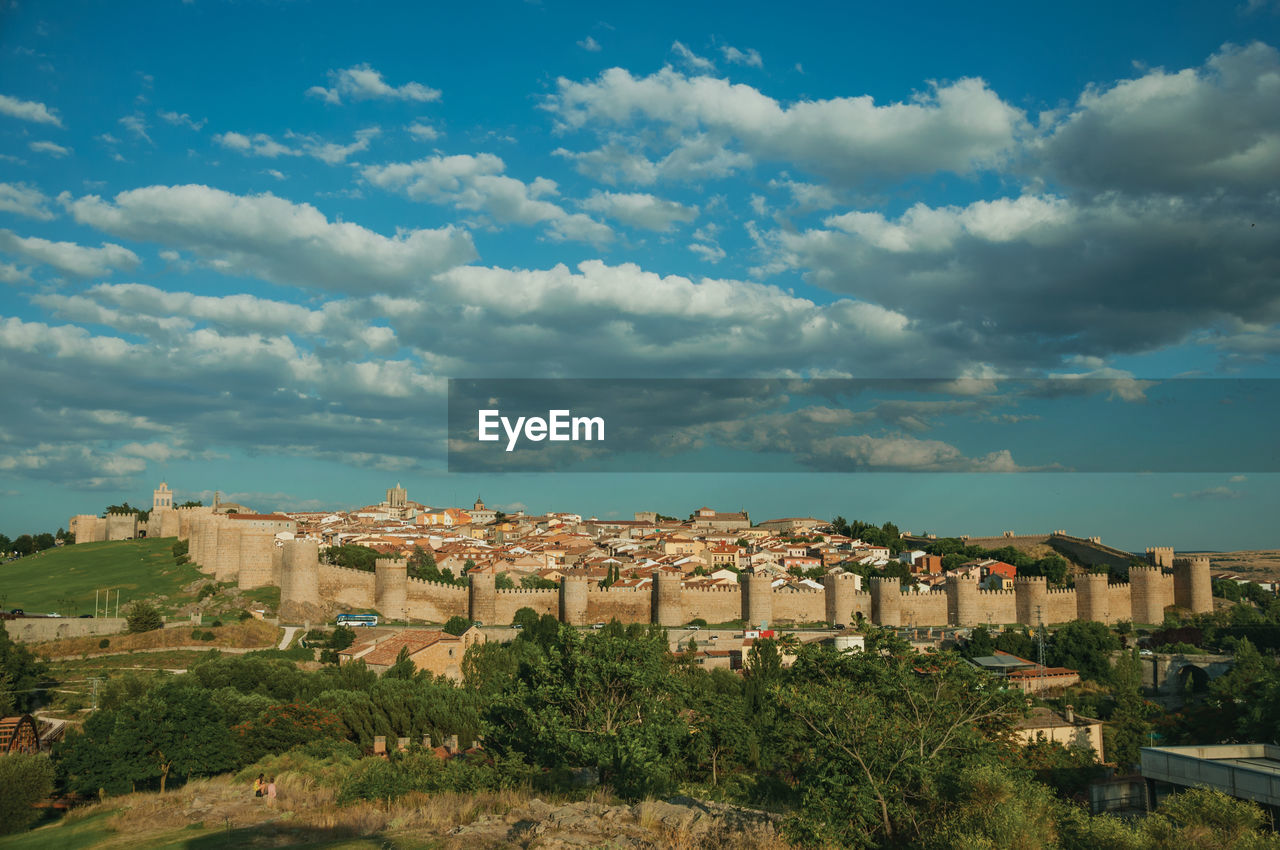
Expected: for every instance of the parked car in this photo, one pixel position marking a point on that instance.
(17, 612)
(597, 625)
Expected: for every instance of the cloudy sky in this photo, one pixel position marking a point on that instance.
(244, 246)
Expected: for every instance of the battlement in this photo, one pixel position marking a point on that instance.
(418, 582)
(1031, 580)
(987, 594)
(1062, 591)
(722, 589)
(524, 591)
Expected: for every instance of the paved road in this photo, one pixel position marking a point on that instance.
(289, 632)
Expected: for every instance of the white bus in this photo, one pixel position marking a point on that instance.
(357, 620)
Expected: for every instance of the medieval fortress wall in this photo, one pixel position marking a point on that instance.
(232, 550)
(245, 549)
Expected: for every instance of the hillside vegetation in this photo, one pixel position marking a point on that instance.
(65, 579)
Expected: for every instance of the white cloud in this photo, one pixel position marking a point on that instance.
(182, 119)
(259, 144)
(69, 257)
(331, 153)
(54, 150)
(423, 132)
(137, 125)
(590, 45)
(750, 57)
(24, 200)
(690, 59)
(362, 82)
(710, 252)
(959, 126)
(478, 183)
(272, 238)
(28, 110)
(1192, 130)
(1011, 281)
(641, 210)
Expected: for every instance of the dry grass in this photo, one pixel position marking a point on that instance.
(305, 809)
(251, 634)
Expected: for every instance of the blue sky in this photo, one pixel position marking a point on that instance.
(244, 245)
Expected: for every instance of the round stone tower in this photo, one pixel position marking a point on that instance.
(886, 601)
(482, 598)
(573, 600)
(204, 539)
(390, 586)
(1192, 587)
(962, 601)
(668, 609)
(1146, 596)
(1031, 600)
(1091, 597)
(299, 579)
(757, 599)
(840, 589)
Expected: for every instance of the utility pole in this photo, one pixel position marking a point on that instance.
(1040, 635)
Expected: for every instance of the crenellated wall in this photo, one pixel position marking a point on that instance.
(311, 590)
(1192, 587)
(924, 609)
(625, 604)
(997, 607)
(800, 606)
(543, 601)
(713, 604)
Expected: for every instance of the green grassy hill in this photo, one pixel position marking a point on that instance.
(64, 579)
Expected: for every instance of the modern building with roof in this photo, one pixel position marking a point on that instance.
(1244, 771)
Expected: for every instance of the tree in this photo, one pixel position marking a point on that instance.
(143, 617)
(503, 582)
(606, 700)
(281, 727)
(932, 716)
(457, 625)
(526, 618)
(24, 545)
(25, 779)
(1084, 645)
(1130, 725)
(43, 541)
(352, 557)
(21, 673)
(532, 582)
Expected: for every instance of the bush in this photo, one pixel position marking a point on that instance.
(143, 617)
(206, 591)
(104, 643)
(208, 635)
(25, 778)
(245, 615)
(217, 624)
(197, 634)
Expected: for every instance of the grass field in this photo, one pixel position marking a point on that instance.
(64, 579)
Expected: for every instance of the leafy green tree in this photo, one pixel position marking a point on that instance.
(979, 643)
(457, 625)
(1130, 726)
(503, 582)
(25, 779)
(281, 727)
(605, 700)
(143, 617)
(1084, 645)
(526, 618)
(992, 807)
(885, 731)
(6, 545)
(352, 557)
(22, 674)
(532, 582)
(24, 545)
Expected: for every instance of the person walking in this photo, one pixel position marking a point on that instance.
(271, 792)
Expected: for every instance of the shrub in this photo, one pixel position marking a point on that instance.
(104, 643)
(25, 778)
(197, 634)
(206, 591)
(208, 635)
(143, 617)
(217, 624)
(245, 615)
